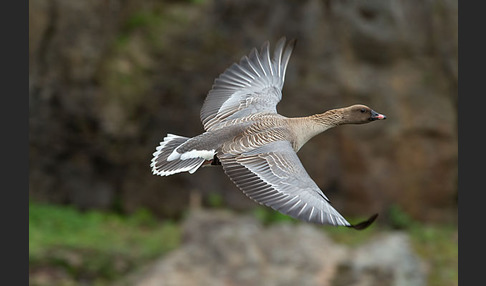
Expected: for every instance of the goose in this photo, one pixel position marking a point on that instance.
(256, 146)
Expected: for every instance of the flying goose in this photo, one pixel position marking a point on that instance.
(257, 146)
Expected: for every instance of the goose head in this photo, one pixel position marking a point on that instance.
(359, 114)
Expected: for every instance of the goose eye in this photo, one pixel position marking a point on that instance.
(362, 110)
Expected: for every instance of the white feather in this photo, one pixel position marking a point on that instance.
(205, 154)
(174, 155)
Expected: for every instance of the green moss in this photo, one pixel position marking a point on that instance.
(95, 245)
(399, 219)
(215, 200)
(140, 19)
(437, 246)
(268, 216)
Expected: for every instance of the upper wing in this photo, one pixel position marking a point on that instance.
(273, 175)
(254, 85)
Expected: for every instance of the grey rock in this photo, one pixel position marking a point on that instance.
(387, 260)
(221, 248)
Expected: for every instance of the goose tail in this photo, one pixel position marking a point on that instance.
(167, 161)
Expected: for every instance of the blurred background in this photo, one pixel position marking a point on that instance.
(109, 79)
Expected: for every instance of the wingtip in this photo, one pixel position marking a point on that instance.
(265, 44)
(281, 41)
(292, 43)
(253, 53)
(364, 224)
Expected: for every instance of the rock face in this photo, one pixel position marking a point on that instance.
(386, 260)
(221, 249)
(108, 80)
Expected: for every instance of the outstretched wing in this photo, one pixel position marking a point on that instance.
(274, 176)
(254, 85)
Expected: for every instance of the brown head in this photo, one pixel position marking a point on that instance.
(312, 125)
(359, 114)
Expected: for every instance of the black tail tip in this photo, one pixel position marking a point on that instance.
(364, 224)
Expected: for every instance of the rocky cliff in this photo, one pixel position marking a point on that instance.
(221, 249)
(108, 80)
